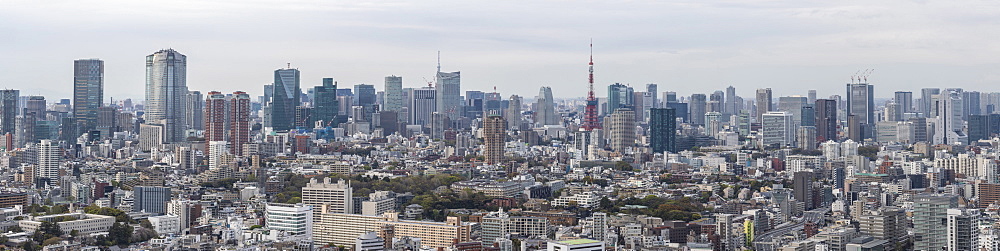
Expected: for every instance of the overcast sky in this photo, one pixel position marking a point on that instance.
(685, 46)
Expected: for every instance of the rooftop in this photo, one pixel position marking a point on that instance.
(578, 241)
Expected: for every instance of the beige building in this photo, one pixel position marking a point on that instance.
(344, 229)
(621, 130)
(494, 137)
(336, 195)
(84, 223)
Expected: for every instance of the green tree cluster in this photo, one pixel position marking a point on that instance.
(435, 205)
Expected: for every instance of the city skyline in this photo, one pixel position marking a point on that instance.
(747, 45)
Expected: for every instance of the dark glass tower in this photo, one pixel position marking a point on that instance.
(325, 105)
(662, 129)
(280, 114)
(88, 91)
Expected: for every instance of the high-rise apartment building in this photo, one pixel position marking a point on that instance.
(280, 112)
(494, 138)
(166, 92)
(215, 117)
(663, 130)
(239, 122)
(963, 229)
(292, 219)
(621, 130)
(88, 91)
(803, 188)
(337, 196)
(449, 93)
(344, 229)
(49, 158)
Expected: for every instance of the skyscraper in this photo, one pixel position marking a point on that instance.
(697, 107)
(166, 91)
(663, 130)
(88, 91)
(802, 188)
(861, 103)
(948, 125)
(449, 93)
(280, 113)
(763, 102)
(732, 104)
(778, 129)
(364, 94)
(546, 113)
(651, 90)
(494, 138)
(619, 96)
(393, 93)
(514, 112)
(904, 100)
(621, 130)
(927, 101)
(326, 106)
(215, 117)
(239, 122)
(49, 158)
(195, 114)
(826, 120)
(423, 105)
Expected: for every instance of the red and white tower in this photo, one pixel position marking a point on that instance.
(590, 120)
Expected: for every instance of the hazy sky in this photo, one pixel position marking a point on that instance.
(685, 46)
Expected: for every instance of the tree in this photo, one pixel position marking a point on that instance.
(146, 224)
(120, 233)
(46, 231)
(15, 229)
(50, 241)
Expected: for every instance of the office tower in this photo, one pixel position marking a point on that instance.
(806, 137)
(927, 101)
(811, 94)
(449, 93)
(291, 219)
(663, 130)
(151, 199)
(195, 114)
(763, 103)
(793, 105)
(621, 130)
(286, 95)
(33, 112)
(8, 111)
(971, 104)
(393, 94)
(336, 196)
(861, 103)
(474, 103)
(715, 102)
(697, 108)
(215, 117)
(778, 129)
(166, 91)
(930, 221)
(732, 104)
(88, 91)
(423, 105)
(713, 124)
(886, 223)
(439, 123)
(948, 124)
(108, 121)
(619, 96)
(642, 102)
(364, 94)
(325, 104)
(492, 102)
(670, 97)
(49, 158)
(807, 116)
(802, 188)
(494, 138)
(983, 126)
(303, 117)
(514, 112)
(904, 100)
(239, 122)
(546, 113)
(651, 92)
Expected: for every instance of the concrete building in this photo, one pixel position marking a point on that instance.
(494, 138)
(778, 129)
(930, 221)
(166, 224)
(292, 219)
(83, 223)
(151, 199)
(621, 130)
(344, 229)
(335, 195)
(378, 203)
(576, 245)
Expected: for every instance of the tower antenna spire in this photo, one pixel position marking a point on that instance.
(439, 61)
(590, 120)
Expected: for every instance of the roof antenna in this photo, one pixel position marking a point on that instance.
(439, 61)
(289, 66)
